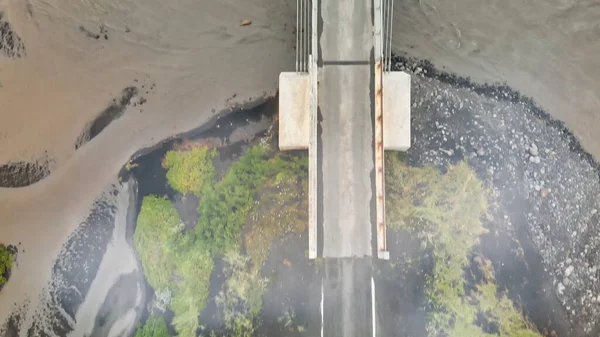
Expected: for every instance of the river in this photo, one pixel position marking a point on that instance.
(191, 63)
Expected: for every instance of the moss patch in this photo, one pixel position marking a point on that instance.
(445, 212)
(190, 168)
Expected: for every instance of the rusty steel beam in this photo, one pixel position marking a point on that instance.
(382, 252)
(312, 143)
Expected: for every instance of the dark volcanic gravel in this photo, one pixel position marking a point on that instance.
(546, 184)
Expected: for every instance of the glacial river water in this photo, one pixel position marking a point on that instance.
(64, 63)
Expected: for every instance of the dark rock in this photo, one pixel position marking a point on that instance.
(21, 174)
(113, 112)
(11, 44)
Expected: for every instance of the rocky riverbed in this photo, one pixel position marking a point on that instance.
(547, 186)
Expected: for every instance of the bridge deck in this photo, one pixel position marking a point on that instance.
(346, 140)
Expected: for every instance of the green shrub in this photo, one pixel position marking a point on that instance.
(172, 259)
(156, 240)
(191, 292)
(6, 263)
(189, 171)
(445, 212)
(154, 327)
(181, 262)
(223, 210)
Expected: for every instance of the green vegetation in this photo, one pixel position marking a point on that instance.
(190, 170)
(129, 166)
(6, 263)
(178, 263)
(154, 327)
(500, 309)
(445, 212)
(191, 290)
(172, 261)
(223, 210)
(156, 239)
(241, 297)
(281, 209)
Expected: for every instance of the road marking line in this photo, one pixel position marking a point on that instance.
(322, 297)
(374, 318)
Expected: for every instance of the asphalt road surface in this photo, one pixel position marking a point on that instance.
(347, 301)
(347, 30)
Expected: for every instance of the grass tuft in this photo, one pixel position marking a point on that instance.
(191, 290)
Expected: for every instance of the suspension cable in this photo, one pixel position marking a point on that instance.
(390, 37)
(303, 35)
(306, 33)
(297, 34)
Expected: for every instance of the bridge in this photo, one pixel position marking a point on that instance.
(345, 105)
(335, 105)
